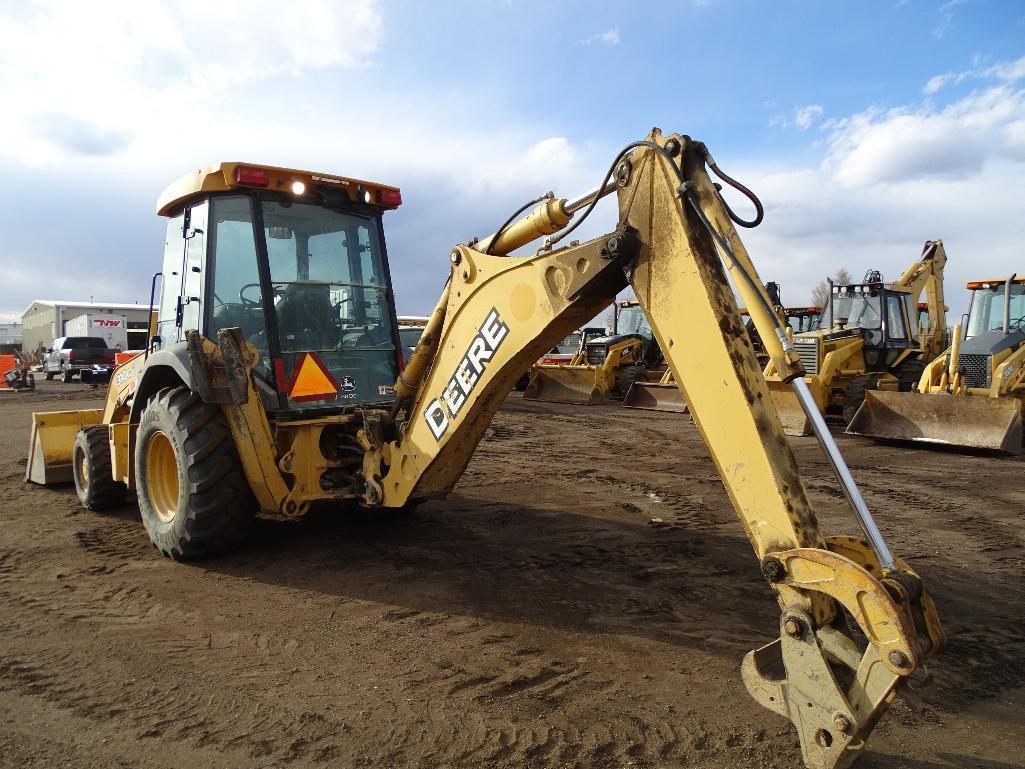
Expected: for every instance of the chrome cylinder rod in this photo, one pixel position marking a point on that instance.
(843, 473)
(572, 205)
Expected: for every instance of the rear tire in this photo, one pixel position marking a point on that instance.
(96, 487)
(66, 374)
(193, 494)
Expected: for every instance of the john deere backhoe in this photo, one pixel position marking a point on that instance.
(275, 383)
(972, 394)
(869, 338)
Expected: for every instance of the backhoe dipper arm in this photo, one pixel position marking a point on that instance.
(673, 236)
(927, 275)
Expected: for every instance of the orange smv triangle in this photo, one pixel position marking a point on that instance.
(311, 380)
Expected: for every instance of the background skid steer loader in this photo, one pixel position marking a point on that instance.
(972, 394)
(870, 338)
(568, 352)
(665, 395)
(605, 367)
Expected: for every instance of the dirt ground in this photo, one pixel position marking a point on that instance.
(536, 618)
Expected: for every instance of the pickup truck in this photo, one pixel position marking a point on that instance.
(87, 356)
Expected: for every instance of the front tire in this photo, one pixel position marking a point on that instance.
(193, 494)
(97, 490)
(626, 378)
(854, 396)
(48, 376)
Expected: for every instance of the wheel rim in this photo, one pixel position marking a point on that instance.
(81, 471)
(162, 476)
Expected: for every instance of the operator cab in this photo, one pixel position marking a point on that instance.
(988, 300)
(297, 261)
(803, 319)
(886, 317)
(987, 342)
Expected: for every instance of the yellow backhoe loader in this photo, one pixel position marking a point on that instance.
(972, 394)
(605, 366)
(870, 337)
(274, 383)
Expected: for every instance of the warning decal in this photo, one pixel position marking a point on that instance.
(311, 381)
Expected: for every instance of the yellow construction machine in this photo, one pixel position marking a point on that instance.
(870, 337)
(605, 366)
(274, 383)
(658, 391)
(972, 394)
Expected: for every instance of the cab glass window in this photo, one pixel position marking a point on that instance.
(236, 299)
(895, 318)
(331, 298)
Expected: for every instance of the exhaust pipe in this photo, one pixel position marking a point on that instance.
(829, 302)
(1007, 303)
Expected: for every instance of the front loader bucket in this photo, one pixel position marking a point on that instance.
(954, 420)
(583, 385)
(656, 396)
(791, 415)
(53, 442)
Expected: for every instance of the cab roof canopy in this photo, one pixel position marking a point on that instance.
(972, 285)
(222, 177)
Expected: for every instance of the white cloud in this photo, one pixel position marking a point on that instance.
(914, 143)
(88, 78)
(891, 179)
(608, 37)
(805, 116)
(802, 119)
(946, 20)
(1008, 72)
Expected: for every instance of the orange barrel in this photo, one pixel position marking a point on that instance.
(7, 363)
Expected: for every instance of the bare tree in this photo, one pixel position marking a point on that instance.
(820, 294)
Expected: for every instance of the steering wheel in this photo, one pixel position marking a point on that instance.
(1018, 321)
(248, 303)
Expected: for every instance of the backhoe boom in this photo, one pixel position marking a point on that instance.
(499, 314)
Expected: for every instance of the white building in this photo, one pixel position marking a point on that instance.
(10, 332)
(44, 320)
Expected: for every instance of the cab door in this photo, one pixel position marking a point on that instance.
(896, 327)
(181, 292)
(171, 283)
(192, 271)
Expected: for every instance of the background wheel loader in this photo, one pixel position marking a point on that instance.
(274, 383)
(972, 394)
(605, 367)
(870, 337)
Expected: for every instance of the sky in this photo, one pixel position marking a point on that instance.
(866, 128)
